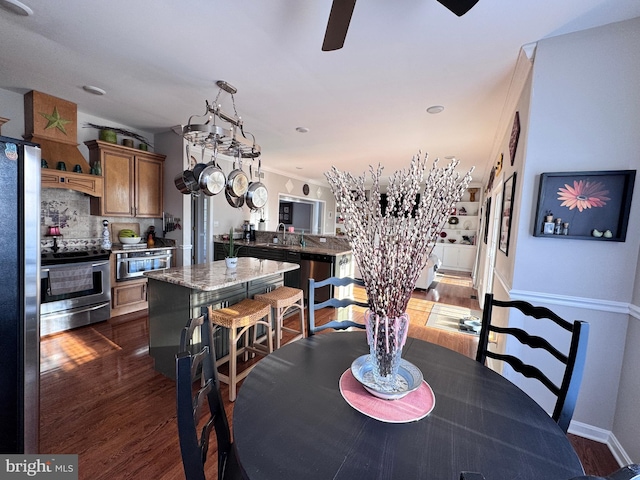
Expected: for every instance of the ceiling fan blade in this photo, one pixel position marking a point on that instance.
(459, 7)
(339, 19)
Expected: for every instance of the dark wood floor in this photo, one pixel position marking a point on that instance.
(101, 398)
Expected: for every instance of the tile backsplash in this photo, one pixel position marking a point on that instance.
(70, 211)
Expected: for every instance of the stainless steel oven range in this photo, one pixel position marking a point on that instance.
(133, 264)
(75, 289)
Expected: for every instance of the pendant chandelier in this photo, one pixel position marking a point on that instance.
(231, 139)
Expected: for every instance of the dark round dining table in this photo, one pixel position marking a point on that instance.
(290, 421)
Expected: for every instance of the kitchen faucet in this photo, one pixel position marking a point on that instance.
(284, 232)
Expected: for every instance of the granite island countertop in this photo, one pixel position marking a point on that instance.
(215, 275)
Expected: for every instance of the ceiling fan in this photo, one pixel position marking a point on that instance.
(342, 10)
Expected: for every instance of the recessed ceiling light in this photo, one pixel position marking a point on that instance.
(298, 168)
(94, 90)
(302, 129)
(16, 7)
(435, 109)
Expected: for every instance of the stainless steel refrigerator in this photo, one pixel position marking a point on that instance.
(19, 296)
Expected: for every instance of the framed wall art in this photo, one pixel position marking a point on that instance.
(515, 135)
(584, 205)
(487, 216)
(285, 213)
(508, 193)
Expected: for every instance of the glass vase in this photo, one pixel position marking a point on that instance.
(386, 337)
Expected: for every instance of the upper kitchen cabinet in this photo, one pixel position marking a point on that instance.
(132, 181)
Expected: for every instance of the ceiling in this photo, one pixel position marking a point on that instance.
(365, 104)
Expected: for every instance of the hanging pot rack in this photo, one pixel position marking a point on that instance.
(232, 141)
(203, 131)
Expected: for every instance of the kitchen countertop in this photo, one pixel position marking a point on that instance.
(215, 275)
(293, 248)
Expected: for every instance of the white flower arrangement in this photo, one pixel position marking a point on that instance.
(392, 249)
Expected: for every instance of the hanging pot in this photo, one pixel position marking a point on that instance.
(257, 194)
(185, 182)
(235, 202)
(197, 171)
(237, 181)
(212, 179)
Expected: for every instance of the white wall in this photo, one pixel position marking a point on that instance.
(584, 115)
(627, 421)
(12, 107)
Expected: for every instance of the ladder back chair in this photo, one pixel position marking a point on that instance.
(573, 362)
(191, 367)
(338, 304)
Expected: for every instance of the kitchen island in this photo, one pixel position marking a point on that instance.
(177, 294)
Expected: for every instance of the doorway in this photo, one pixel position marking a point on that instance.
(492, 244)
(303, 214)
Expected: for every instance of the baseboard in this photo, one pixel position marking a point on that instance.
(618, 452)
(602, 436)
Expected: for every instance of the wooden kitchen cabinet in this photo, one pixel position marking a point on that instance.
(133, 181)
(128, 296)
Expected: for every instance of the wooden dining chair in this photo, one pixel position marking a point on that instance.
(573, 362)
(629, 472)
(201, 366)
(342, 320)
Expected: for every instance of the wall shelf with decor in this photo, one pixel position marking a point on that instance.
(456, 247)
(461, 227)
(592, 205)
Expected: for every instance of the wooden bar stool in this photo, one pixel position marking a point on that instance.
(283, 299)
(239, 318)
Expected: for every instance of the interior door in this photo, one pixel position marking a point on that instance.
(492, 244)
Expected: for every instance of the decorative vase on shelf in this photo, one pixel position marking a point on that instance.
(386, 337)
(108, 135)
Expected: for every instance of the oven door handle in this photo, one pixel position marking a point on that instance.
(48, 267)
(75, 310)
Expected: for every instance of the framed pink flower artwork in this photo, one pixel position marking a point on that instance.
(585, 205)
(515, 135)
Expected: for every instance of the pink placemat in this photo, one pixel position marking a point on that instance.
(414, 406)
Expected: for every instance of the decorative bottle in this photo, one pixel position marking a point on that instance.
(106, 241)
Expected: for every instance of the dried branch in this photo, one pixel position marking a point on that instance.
(392, 250)
(120, 131)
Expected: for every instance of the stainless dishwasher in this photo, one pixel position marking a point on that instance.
(319, 267)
